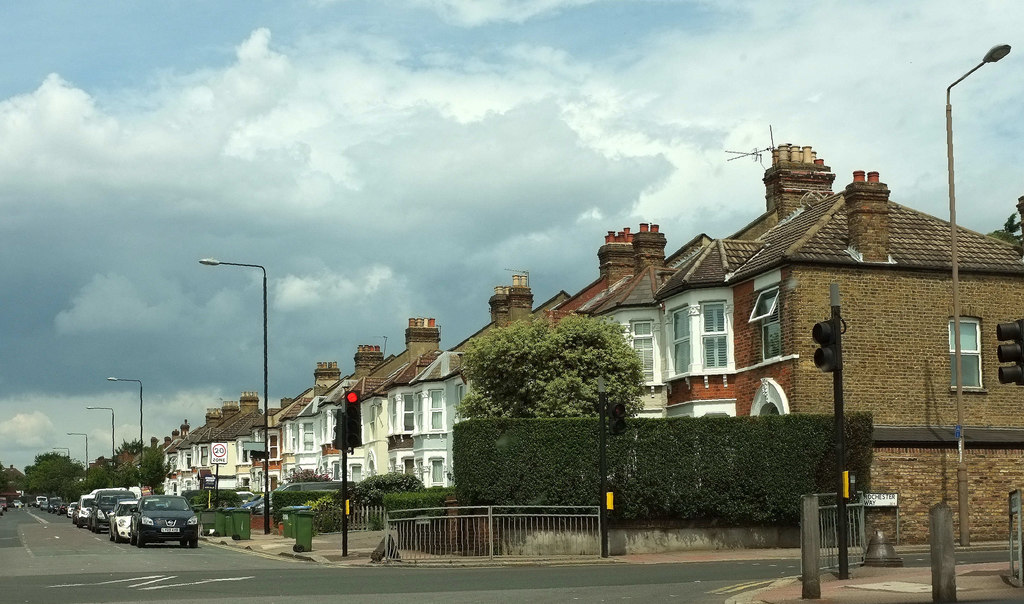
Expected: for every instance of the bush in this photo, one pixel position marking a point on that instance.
(709, 470)
(434, 497)
(371, 491)
(284, 499)
(227, 499)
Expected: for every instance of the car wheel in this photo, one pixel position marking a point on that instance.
(193, 543)
(112, 534)
(183, 543)
(131, 537)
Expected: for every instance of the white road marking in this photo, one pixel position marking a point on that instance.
(155, 581)
(197, 583)
(106, 582)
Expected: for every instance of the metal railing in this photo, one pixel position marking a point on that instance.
(526, 532)
(828, 524)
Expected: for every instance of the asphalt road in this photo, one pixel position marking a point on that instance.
(44, 558)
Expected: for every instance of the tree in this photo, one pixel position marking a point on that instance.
(5, 482)
(536, 369)
(55, 474)
(1010, 230)
(153, 469)
(133, 448)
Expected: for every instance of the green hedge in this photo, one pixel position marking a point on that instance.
(433, 497)
(226, 499)
(284, 499)
(708, 470)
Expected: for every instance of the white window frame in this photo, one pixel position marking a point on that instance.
(965, 353)
(684, 342)
(643, 345)
(204, 456)
(707, 335)
(408, 412)
(307, 428)
(768, 301)
(352, 469)
(437, 411)
(771, 297)
(434, 482)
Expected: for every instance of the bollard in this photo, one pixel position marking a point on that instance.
(940, 537)
(810, 553)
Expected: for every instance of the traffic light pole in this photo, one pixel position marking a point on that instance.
(344, 480)
(840, 434)
(602, 403)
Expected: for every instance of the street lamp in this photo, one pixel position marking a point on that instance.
(266, 426)
(111, 430)
(142, 443)
(993, 55)
(86, 446)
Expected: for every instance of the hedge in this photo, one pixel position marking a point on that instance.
(284, 499)
(433, 497)
(729, 471)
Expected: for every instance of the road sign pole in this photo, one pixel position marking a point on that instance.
(344, 480)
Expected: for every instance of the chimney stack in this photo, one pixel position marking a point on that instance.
(616, 258)
(325, 375)
(499, 306)
(184, 429)
(249, 402)
(175, 434)
(422, 336)
(867, 216)
(648, 247)
(153, 441)
(212, 414)
(367, 357)
(228, 409)
(795, 171)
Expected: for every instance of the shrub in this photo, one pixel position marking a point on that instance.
(708, 470)
(308, 476)
(227, 499)
(371, 491)
(433, 497)
(284, 499)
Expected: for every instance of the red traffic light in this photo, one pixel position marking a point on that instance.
(351, 397)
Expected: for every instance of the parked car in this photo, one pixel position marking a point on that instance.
(41, 501)
(85, 503)
(246, 495)
(255, 506)
(3, 504)
(164, 518)
(18, 504)
(120, 520)
(104, 504)
(72, 508)
(53, 504)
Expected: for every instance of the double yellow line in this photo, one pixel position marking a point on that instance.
(731, 589)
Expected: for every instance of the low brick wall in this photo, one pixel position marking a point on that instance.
(924, 476)
(622, 541)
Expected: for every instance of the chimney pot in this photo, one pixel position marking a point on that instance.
(431, 322)
(819, 162)
(872, 176)
(654, 228)
(807, 155)
(643, 227)
(858, 176)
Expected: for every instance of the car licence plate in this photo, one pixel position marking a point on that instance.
(170, 530)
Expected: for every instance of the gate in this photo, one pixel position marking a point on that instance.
(828, 526)
(495, 532)
(1016, 549)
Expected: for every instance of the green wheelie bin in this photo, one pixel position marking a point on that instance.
(240, 524)
(303, 531)
(288, 519)
(221, 522)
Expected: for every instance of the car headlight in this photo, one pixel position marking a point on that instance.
(193, 520)
(146, 520)
(122, 521)
(100, 515)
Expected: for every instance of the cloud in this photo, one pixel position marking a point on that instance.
(472, 13)
(301, 292)
(114, 302)
(27, 430)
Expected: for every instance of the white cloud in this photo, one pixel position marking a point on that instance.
(27, 430)
(115, 302)
(472, 13)
(301, 292)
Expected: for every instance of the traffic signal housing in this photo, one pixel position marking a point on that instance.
(616, 418)
(1012, 352)
(353, 420)
(826, 357)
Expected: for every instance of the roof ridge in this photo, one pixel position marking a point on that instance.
(839, 202)
(697, 262)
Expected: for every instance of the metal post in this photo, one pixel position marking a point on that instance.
(842, 536)
(344, 478)
(602, 403)
(216, 485)
(810, 548)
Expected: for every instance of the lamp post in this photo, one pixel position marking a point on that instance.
(993, 55)
(63, 449)
(86, 446)
(111, 430)
(266, 416)
(142, 442)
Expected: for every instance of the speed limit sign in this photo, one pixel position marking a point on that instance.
(219, 453)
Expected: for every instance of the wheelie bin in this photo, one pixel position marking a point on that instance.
(221, 522)
(240, 524)
(288, 518)
(303, 523)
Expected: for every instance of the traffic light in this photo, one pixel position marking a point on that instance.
(353, 420)
(826, 357)
(616, 419)
(1013, 352)
(339, 429)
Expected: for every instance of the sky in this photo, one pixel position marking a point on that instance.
(388, 160)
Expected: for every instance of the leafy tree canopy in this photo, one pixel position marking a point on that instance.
(536, 369)
(133, 447)
(55, 474)
(1011, 231)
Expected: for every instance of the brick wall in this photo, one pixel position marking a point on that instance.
(896, 349)
(924, 476)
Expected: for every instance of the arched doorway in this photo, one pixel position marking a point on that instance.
(770, 399)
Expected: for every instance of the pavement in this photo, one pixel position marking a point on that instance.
(985, 582)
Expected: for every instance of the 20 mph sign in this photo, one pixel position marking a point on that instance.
(219, 453)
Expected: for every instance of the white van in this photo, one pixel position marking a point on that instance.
(41, 501)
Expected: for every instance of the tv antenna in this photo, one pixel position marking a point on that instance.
(521, 271)
(755, 154)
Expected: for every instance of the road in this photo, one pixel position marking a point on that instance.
(44, 558)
